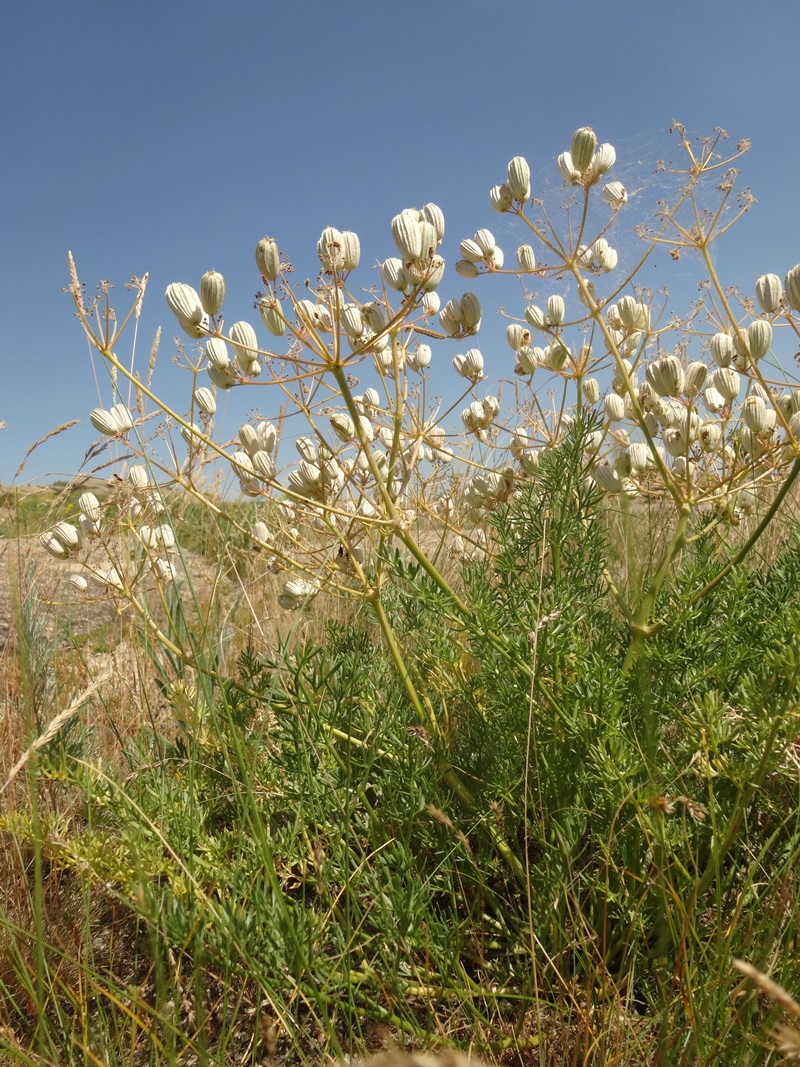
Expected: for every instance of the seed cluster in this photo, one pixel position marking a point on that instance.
(684, 409)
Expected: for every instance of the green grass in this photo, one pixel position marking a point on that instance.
(558, 864)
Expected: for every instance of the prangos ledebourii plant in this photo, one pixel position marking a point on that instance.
(690, 415)
(545, 759)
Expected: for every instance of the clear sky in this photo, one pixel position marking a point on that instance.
(170, 136)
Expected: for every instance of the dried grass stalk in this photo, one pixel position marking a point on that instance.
(51, 731)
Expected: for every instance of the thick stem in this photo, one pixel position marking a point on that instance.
(641, 625)
(374, 600)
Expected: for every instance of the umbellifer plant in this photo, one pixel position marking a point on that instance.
(685, 408)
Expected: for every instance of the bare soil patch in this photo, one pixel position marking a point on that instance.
(28, 570)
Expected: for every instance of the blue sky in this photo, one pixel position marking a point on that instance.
(169, 137)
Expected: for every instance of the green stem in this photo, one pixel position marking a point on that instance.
(756, 534)
(433, 572)
(391, 510)
(641, 626)
(446, 770)
(425, 715)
